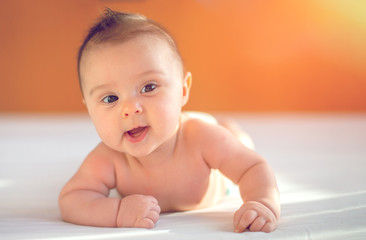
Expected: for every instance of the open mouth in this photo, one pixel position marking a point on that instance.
(137, 134)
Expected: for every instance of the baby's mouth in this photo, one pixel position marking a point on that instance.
(137, 134)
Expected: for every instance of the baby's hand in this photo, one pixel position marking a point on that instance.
(138, 211)
(255, 217)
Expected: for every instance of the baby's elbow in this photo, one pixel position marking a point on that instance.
(62, 206)
(65, 206)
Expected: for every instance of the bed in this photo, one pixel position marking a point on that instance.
(319, 160)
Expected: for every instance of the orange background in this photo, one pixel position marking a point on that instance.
(244, 55)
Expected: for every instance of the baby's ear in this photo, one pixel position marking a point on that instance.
(187, 82)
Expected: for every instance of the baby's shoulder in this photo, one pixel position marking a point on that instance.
(190, 125)
(211, 140)
(98, 166)
(101, 157)
(201, 129)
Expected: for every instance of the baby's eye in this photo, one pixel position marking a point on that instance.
(110, 99)
(148, 88)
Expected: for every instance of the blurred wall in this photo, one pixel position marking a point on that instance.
(244, 55)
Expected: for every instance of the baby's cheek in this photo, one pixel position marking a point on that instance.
(109, 137)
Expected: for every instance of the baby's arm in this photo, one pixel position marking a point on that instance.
(261, 208)
(257, 184)
(84, 199)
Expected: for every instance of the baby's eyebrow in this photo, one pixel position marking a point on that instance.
(97, 88)
(153, 71)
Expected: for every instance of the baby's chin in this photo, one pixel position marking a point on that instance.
(138, 152)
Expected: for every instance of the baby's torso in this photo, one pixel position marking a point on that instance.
(183, 182)
(177, 187)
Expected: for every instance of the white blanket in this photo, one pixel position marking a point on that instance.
(319, 160)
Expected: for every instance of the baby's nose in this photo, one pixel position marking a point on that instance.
(131, 110)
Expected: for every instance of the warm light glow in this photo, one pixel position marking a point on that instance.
(243, 55)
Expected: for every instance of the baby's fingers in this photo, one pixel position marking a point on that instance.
(257, 224)
(242, 222)
(149, 221)
(269, 227)
(261, 224)
(145, 223)
(156, 208)
(153, 216)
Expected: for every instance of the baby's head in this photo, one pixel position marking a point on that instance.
(119, 27)
(131, 77)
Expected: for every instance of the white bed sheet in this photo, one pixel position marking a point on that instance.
(319, 160)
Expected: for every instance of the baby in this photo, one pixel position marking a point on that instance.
(157, 158)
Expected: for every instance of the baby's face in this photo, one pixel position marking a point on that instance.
(134, 92)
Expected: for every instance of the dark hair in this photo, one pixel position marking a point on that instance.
(119, 27)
